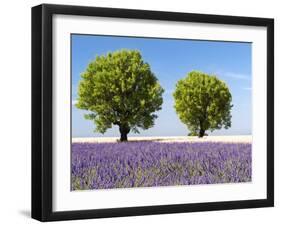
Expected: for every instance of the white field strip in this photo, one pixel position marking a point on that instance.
(225, 139)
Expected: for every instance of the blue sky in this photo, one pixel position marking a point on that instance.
(171, 60)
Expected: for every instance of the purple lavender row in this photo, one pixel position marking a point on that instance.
(147, 164)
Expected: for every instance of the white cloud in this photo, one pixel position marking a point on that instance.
(237, 76)
(169, 91)
(74, 102)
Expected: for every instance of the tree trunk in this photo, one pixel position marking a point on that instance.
(201, 133)
(123, 137)
(124, 130)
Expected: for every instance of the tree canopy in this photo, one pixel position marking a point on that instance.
(120, 89)
(203, 102)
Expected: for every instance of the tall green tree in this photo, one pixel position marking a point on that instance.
(203, 102)
(120, 89)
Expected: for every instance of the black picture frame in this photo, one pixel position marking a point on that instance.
(42, 111)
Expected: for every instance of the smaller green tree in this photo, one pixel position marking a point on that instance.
(203, 102)
(120, 89)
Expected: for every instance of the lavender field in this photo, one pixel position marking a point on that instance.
(148, 163)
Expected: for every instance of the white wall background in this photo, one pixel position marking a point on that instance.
(15, 114)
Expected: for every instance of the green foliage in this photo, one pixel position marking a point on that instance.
(203, 102)
(119, 89)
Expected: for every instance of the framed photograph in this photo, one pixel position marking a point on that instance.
(140, 112)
